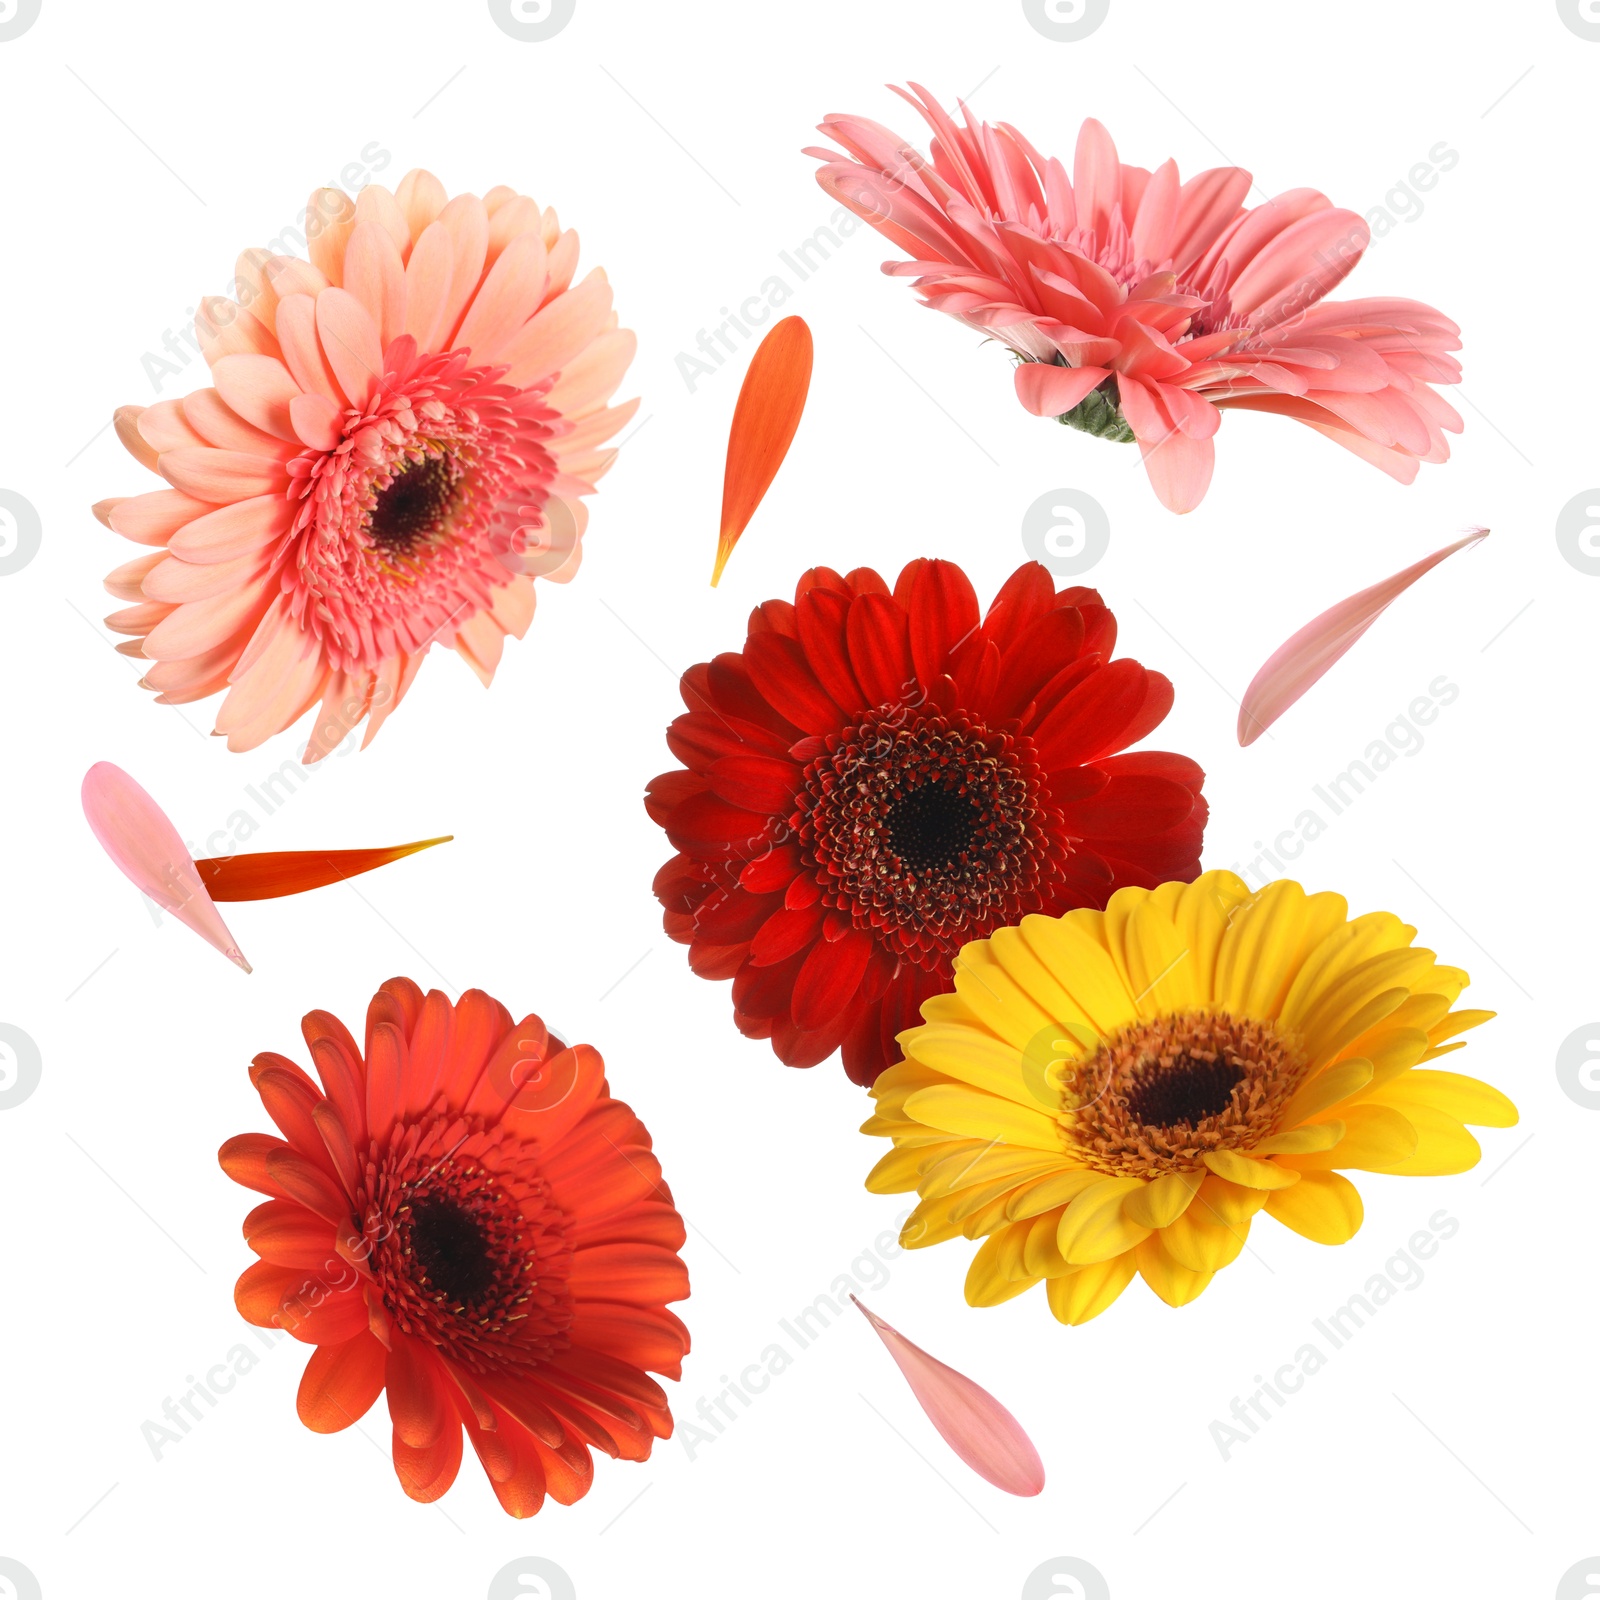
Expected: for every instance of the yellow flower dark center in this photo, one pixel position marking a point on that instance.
(1157, 1095)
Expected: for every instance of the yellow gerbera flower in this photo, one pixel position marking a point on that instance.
(1122, 1091)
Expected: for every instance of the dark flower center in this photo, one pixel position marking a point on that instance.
(415, 504)
(1190, 1089)
(932, 827)
(450, 1248)
(1157, 1095)
(928, 829)
(469, 1254)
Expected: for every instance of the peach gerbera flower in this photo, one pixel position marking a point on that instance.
(393, 451)
(1140, 307)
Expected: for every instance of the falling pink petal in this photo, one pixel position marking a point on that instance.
(1297, 663)
(970, 1420)
(135, 832)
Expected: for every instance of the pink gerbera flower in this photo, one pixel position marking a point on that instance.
(394, 448)
(1139, 307)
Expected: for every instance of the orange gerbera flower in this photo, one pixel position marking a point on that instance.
(463, 1217)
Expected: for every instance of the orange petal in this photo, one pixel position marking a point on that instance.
(340, 1383)
(970, 1420)
(279, 872)
(1300, 661)
(764, 423)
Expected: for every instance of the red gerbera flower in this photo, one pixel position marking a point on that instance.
(463, 1217)
(878, 778)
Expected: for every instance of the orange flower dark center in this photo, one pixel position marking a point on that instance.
(467, 1247)
(928, 829)
(415, 506)
(451, 1249)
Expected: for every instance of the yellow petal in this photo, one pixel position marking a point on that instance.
(1201, 1245)
(1087, 1292)
(1303, 1140)
(1046, 1194)
(966, 1204)
(1465, 1099)
(972, 1057)
(1261, 952)
(986, 1218)
(1326, 1089)
(1227, 1203)
(969, 1163)
(1161, 969)
(896, 1172)
(1082, 966)
(949, 1008)
(1446, 981)
(1457, 1022)
(1093, 1227)
(1420, 1011)
(1041, 1256)
(904, 1078)
(1391, 1050)
(1002, 1005)
(1333, 1041)
(1174, 1282)
(1163, 1200)
(1248, 1172)
(1328, 1011)
(1443, 1146)
(988, 1281)
(1201, 918)
(1375, 1138)
(1344, 947)
(929, 1223)
(954, 1109)
(1042, 985)
(1323, 1207)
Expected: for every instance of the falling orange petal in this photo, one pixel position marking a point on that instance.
(1300, 661)
(764, 423)
(970, 1420)
(279, 872)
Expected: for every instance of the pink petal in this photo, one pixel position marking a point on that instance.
(1179, 466)
(135, 832)
(1051, 391)
(1300, 661)
(970, 1420)
(349, 339)
(1096, 177)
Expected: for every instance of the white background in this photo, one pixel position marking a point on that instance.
(1446, 1449)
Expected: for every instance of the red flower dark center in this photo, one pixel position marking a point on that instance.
(469, 1255)
(932, 827)
(416, 504)
(928, 829)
